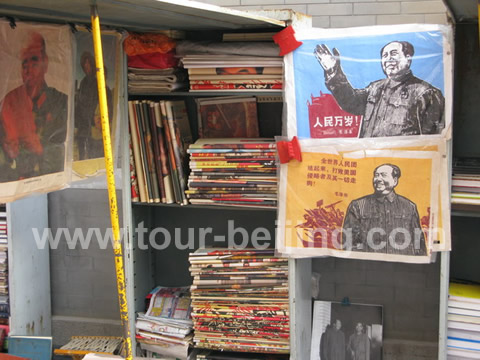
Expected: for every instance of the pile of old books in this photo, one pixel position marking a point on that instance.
(166, 327)
(222, 72)
(463, 340)
(466, 181)
(4, 300)
(240, 300)
(233, 172)
(160, 133)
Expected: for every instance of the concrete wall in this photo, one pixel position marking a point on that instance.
(83, 283)
(348, 13)
(409, 294)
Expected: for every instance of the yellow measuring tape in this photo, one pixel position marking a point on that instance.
(107, 147)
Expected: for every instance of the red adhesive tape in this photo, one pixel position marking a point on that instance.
(289, 150)
(286, 40)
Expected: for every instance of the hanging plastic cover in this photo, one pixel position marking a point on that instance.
(370, 82)
(364, 199)
(35, 108)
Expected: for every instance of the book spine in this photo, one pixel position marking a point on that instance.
(167, 178)
(137, 151)
(156, 151)
(133, 174)
(171, 156)
(145, 110)
(236, 81)
(242, 86)
(176, 151)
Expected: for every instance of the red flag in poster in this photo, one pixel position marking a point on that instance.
(328, 120)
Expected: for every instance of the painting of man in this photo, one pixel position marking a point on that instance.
(33, 118)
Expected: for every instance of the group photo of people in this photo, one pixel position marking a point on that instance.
(346, 332)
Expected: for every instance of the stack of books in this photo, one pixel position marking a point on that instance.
(160, 134)
(154, 81)
(166, 327)
(233, 172)
(463, 340)
(208, 72)
(4, 299)
(240, 300)
(466, 181)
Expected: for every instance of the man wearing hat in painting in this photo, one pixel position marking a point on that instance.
(33, 118)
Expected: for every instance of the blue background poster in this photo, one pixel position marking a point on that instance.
(360, 60)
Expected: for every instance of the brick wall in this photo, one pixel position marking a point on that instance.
(348, 13)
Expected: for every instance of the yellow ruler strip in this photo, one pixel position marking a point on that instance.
(107, 147)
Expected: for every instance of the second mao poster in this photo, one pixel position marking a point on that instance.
(363, 199)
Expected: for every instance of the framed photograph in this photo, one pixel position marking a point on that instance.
(35, 108)
(228, 117)
(346, 332)
(370, 82)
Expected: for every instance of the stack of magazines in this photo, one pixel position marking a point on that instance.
(240, 300)
(160, 133)
(466, 181)
(166, 327)
(4, 301)
(464, 321)
(219, 72)
(233, 172)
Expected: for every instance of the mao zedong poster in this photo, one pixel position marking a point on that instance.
(369, 82)
(363, 204)
(35, 103)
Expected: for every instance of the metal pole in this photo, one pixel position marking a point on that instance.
(107, 147)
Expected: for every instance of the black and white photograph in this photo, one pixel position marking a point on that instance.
(346, 331)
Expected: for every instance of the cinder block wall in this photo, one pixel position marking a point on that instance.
(348, 13)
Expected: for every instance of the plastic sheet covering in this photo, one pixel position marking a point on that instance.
(365, 199)
(372, 109)
(35, 108)
(370, 82)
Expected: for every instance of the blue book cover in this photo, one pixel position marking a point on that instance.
(32, 347)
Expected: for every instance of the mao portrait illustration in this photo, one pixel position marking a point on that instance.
(34, 106)
(370, 85)
(385, 221)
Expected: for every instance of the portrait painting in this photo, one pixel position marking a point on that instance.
(377, 203)
(346, 331)
(383, 81)
(88, 141)
(35, 108)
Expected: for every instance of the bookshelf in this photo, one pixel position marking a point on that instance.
(143, 267)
